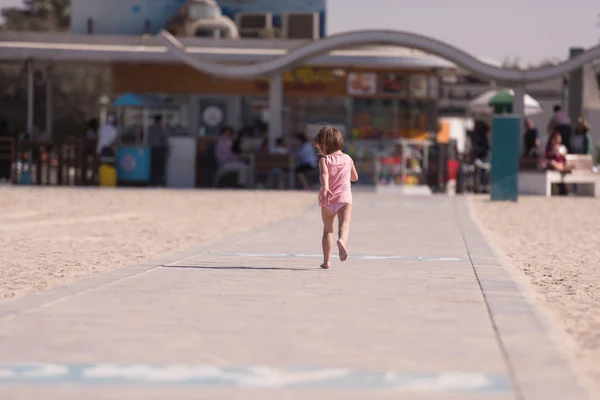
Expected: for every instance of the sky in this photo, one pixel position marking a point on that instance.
(530, 30)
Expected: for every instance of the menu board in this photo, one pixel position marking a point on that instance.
(362, 84)
(418, 86)
(395, 84)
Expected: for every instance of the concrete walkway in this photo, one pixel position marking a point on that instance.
(422, 310)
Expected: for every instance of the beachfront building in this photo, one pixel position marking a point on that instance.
(371, 93)
(264, 67)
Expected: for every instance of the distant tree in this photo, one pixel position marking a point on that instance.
(76, 88)
(514, 63)
(548, 62)
(38, 15)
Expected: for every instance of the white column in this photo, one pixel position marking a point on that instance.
(275, 109)
(49, 107)
(30, 96)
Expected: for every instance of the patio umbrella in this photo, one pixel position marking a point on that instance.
(501, 100)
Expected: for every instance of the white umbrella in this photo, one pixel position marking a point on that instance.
(481, 104)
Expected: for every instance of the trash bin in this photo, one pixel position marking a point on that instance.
(107, 171)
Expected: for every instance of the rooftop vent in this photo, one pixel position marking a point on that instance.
(300, 26)
(253, 25)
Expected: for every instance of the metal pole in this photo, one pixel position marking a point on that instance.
(30, 98)
(275, 109)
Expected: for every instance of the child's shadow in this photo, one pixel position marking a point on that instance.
(242, 268)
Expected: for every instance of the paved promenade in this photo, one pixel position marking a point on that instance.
(423, 309)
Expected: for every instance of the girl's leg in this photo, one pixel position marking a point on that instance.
(344, 217)
(327, 241)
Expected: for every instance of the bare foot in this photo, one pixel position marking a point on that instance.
(325, 265)
(343, 251)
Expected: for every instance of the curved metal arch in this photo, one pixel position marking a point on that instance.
(373, 37)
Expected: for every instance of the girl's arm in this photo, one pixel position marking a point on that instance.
(353, 173)
(324, 175)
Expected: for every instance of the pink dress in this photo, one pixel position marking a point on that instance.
(339, 166)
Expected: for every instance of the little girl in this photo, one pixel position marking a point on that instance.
(337, 170)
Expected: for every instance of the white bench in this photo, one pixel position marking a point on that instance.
(539, 181)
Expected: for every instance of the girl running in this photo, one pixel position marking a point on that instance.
(337, 170)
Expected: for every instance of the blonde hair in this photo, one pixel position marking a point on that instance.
(582, 126)
(328, 140)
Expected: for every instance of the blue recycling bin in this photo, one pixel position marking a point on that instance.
(133, 164)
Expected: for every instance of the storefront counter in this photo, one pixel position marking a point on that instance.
(181, 162)
(133, 165)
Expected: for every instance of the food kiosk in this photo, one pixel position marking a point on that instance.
(132, 152)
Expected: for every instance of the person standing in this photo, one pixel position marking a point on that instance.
(107, 136)
(158, 143)
(531, 139)
(561, 123)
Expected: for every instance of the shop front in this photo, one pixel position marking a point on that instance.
(387, 116)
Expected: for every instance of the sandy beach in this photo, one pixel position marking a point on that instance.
(53, 236)
(554, 244)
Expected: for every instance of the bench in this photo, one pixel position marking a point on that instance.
(274, 168)
(536, 181)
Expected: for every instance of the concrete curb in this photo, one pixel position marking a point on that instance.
(538, 368)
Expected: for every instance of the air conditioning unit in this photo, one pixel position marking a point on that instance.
(252, 25)
(300, 26)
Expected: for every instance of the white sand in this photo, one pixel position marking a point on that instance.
(52, 236)
(556, 243)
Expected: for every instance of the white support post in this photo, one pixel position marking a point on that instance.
(49, 104)
(30, 96)
(275, 109)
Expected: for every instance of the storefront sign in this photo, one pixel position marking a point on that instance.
(305, 80)
(418, 86)
(362, 84)
(212, 116)
(308, 76)
(395, 84)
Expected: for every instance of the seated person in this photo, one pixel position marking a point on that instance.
(275, 177)
(556, 158)
(306, 159)
(227, 154)
(581, 142)
(280, 147)
(556, 153)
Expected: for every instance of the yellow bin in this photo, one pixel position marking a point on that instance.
(107, 175)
